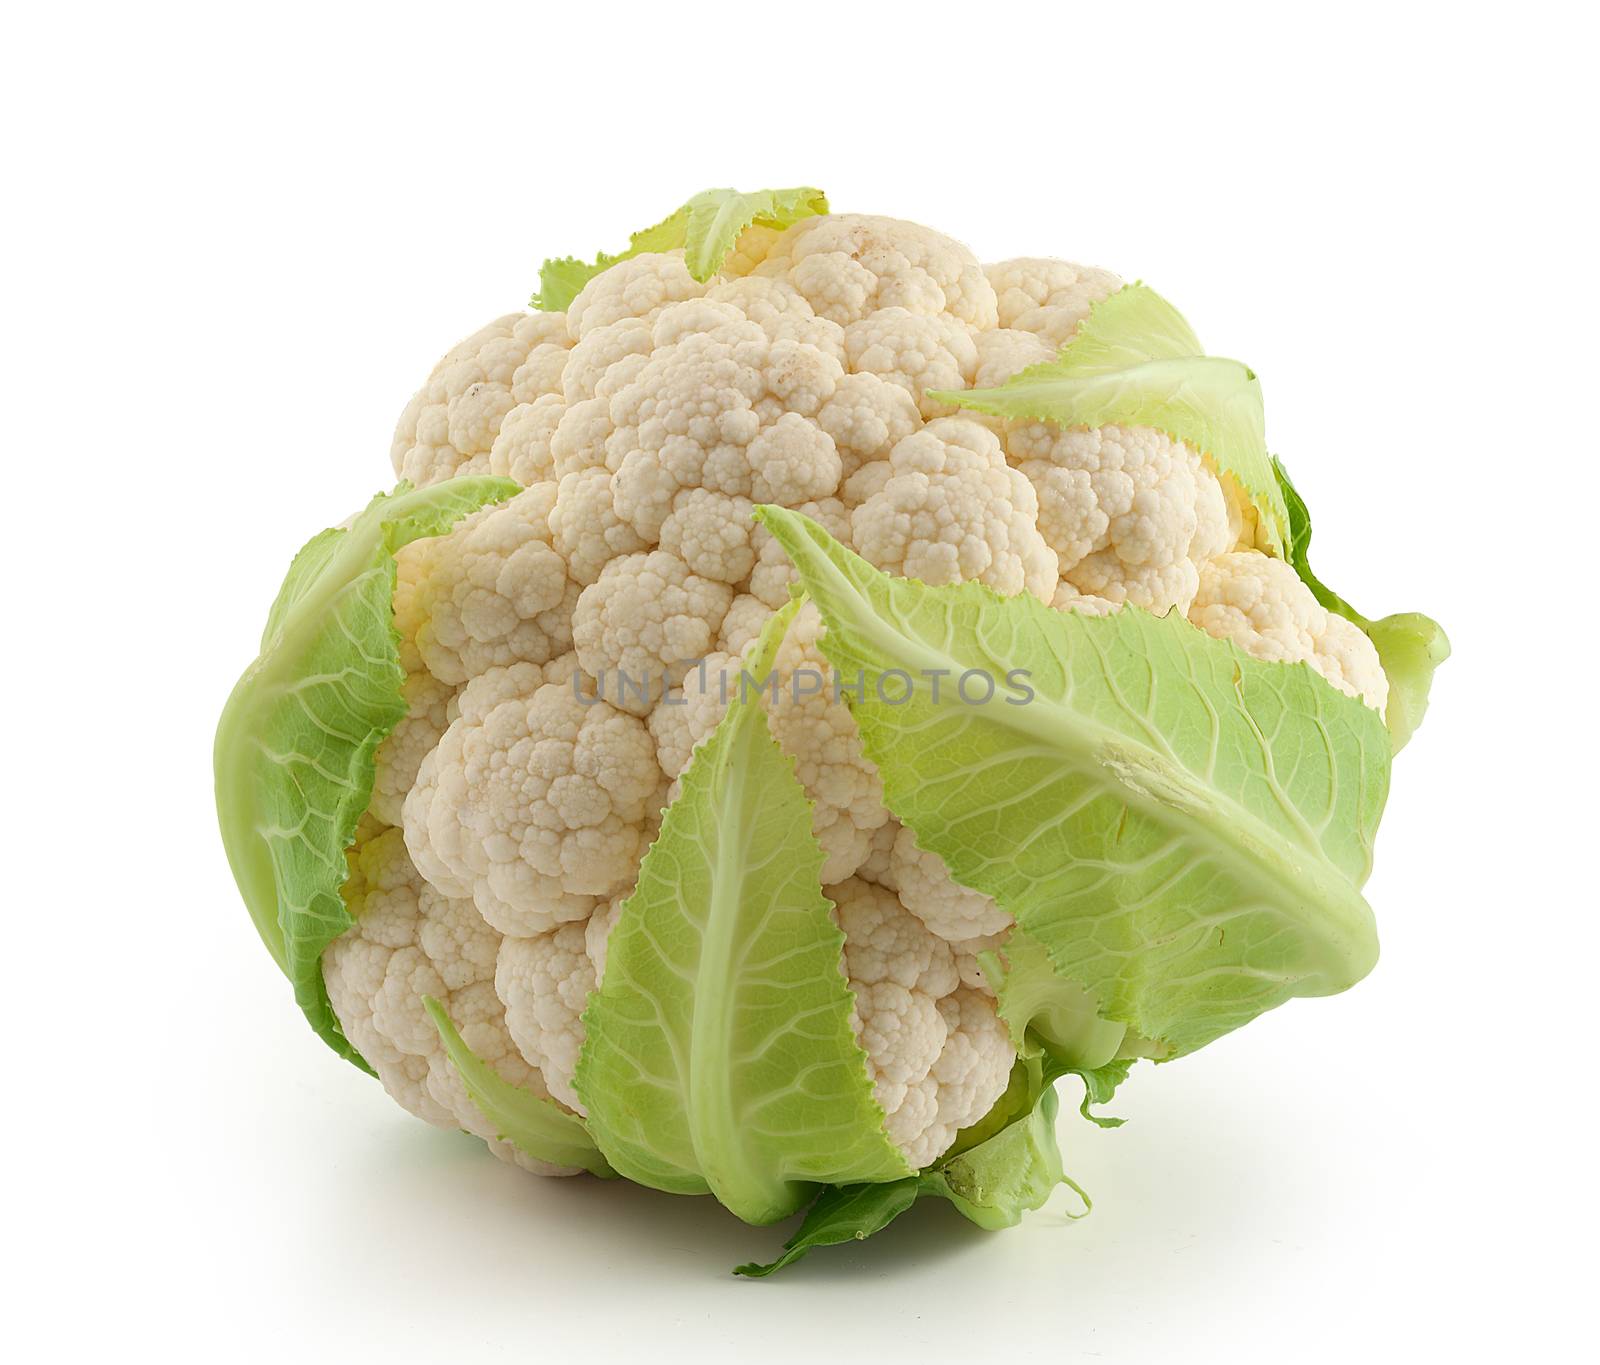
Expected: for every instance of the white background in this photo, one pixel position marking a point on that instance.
(237, 240)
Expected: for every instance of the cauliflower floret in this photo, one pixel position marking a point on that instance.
(644, 623)
(522, 449)
(712, 533)
(1131, 512)
(915, 351)
(400, 755)
(753, 246)
(1005, 352)
(866, 482)
(954, 912)
(450, 426)
(971, 970)
(602, 351)
(1069, 598)
(744, 622)
(1048, 298)
(544, 984)
(536, 808)
(492, 592)
(938, 1056)
(850, 265)
(585, 528)
(814, 726)
(954, 511)
(485, 692)
(945, 908)
(691, 712)
(866, 416)
(726, 410)
(879, 865)
(975, 1064)
(781, 311)
(639, 287)
(578, 441)
(1262, 606)
(411, 941)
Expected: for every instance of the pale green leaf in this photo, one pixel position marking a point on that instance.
(1099, 1085)
(718, 217)
(719, 1054)
(294, 747)
(996, 1182)
(1182, 828)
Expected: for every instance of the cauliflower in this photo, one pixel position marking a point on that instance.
(568, 621)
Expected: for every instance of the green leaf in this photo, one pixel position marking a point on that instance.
(718, 217)
(842, 1213)
(294, 747)
(562, 278)
(719, 1054)
(1128, 328)
(1099, 1085)
(1182, 828)
(1410, 645)
(992, 1183)
(1041, 1007)
(536, 1126)
(996, 1182)
(1135, 362)
(706, 228)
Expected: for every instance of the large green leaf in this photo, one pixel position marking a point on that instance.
(537, 1126)
(1134, 361)
(295, 744)
(719, 1054)
(706, 228)
(1410, 645)
(1182, 828)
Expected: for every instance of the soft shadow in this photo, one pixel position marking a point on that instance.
(1193, 1169)
(433, 1177)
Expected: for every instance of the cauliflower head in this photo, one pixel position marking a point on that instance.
(590, 689)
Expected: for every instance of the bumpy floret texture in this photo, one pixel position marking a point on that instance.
(568, 649)
(938, 1055)
(1260, 604)
(411, 941)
